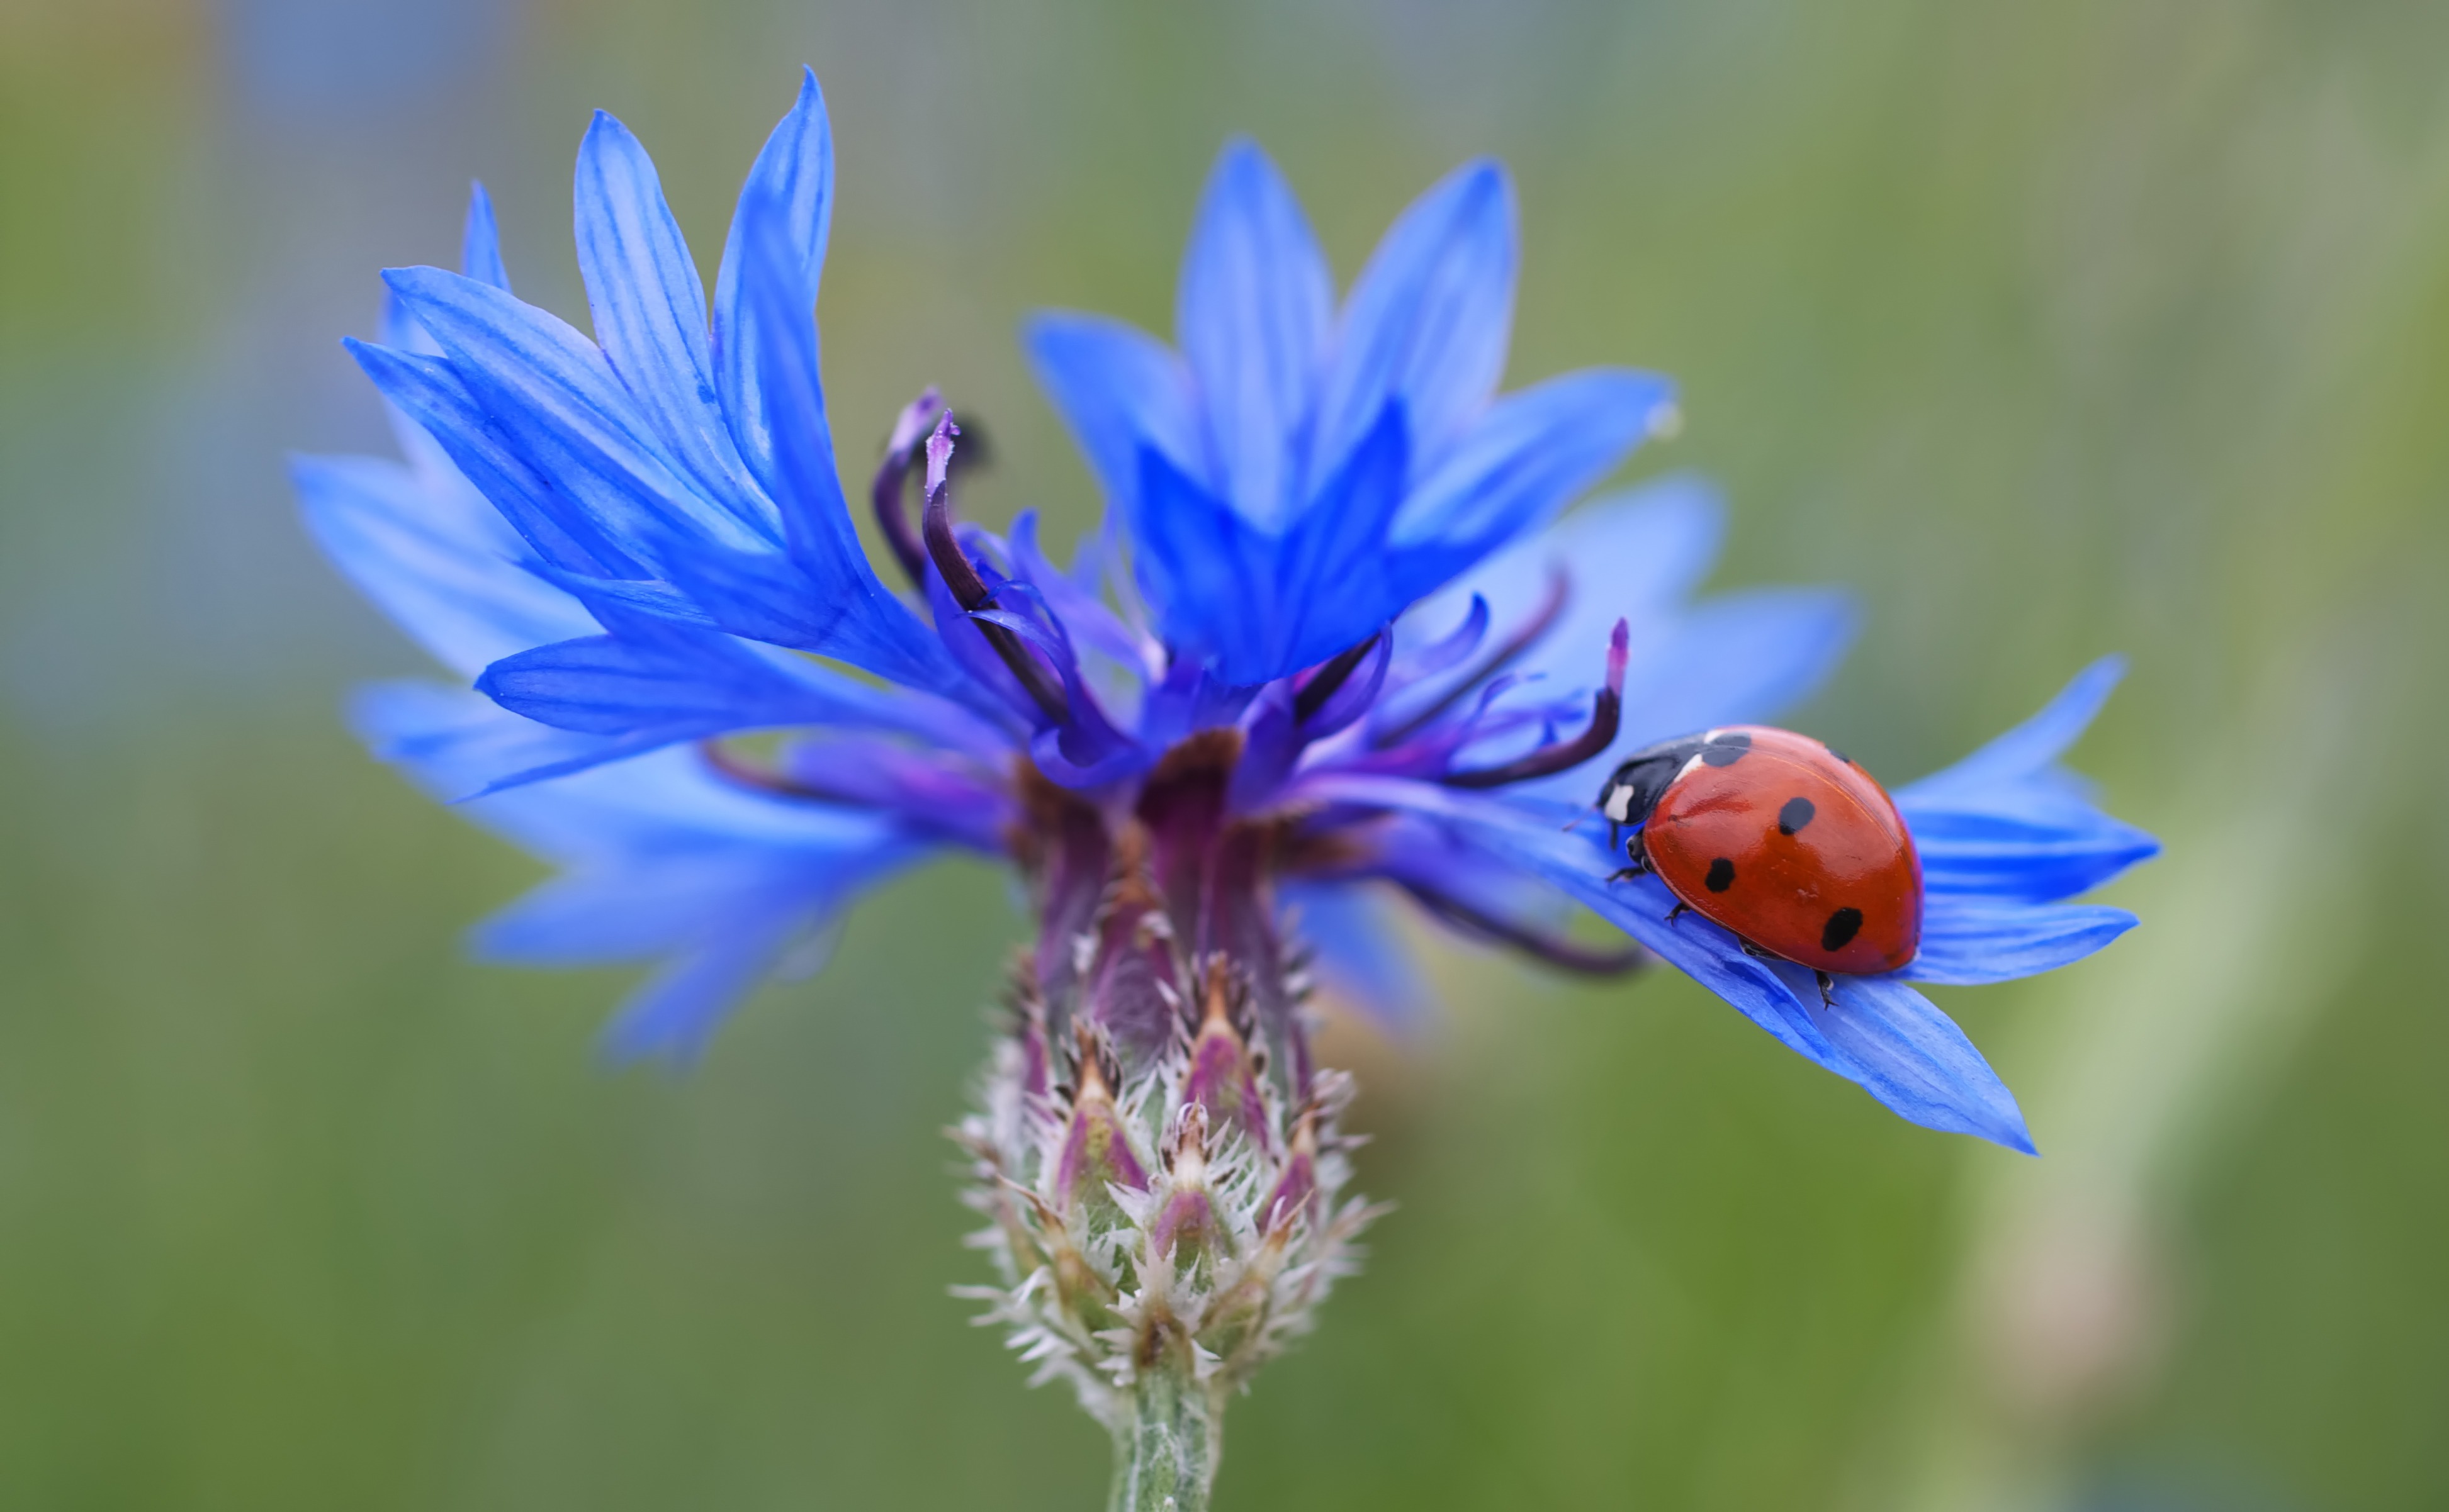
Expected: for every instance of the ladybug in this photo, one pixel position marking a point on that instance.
(1782, 840)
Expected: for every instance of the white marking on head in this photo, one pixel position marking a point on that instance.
(1618, 807)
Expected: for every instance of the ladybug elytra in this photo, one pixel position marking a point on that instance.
(1783, 842)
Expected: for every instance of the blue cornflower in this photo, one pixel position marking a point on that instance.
(1334, 645)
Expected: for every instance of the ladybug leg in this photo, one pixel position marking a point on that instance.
(1678, 912)
(1827, 983)
(1638, 856)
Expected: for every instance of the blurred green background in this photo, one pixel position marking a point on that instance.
(2051, 328)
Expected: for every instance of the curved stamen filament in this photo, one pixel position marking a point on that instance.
(1330, 680)
(1607, 714)
(886, 491)
(969, 590)
(1564, 954)
(1560, 589)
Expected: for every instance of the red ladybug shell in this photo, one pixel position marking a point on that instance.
(1794, 848)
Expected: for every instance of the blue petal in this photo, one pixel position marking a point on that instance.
(2024, 752)
(717, 912)
(1357, 953)
(678, 1010)
(1530, 455)
(775, 303)
(2008, 823)
(440, 735)
(1266, 605)
(1633, 555)
(794, 172)
(1734, 658)
(1422, 855)
(1334, 582)
(1097, 628)
(460, 746)
(429, 392)
(1637, 556)
(1914, 1059)
(439, 562)
(848, 611)
(1252, 317)
(1122, 392)
(1967, 942)
(480, 257)
(1202, 565)
(551, 397)
(666, 861)
(1427, 323)
(1882, 1035)
(1633, 552)
(1695, 947)
(663, 683)
(649, 310)
(602, 915)
(2019, 858)
(480, 242)
(946, 795)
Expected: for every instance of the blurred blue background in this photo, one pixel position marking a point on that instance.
(2053, 328)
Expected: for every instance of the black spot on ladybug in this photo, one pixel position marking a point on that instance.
(1843, 925)
(1797, 812)
(1839, 754)
(1726, 749)
(1721, 876)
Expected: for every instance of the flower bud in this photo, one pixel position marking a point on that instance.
(1223, 1078)
(1184, 1226)
(1096, 1154)
(1168, 1217)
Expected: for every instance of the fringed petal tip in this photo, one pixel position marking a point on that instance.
(2007, 824)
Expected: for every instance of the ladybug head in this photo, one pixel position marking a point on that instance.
(1635, 787)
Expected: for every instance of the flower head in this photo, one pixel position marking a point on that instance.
(1334, 646)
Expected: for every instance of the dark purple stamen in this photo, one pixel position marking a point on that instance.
(1563, 954)
(1329, 678)
(886, 491)
(1560, 587)
(959, 573)
(969, 590)
(1607, 712)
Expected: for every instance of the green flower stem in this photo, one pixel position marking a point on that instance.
(1166, 1453)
